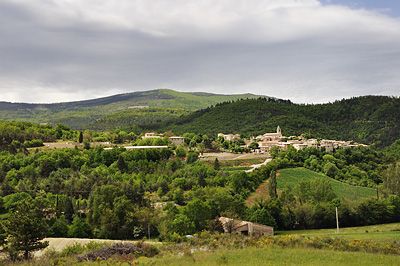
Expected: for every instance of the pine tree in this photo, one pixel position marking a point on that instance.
(80, 137)
(217, 164)
(26, 227)
(121, 163)
(272, 184)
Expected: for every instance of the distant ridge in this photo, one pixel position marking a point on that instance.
(77, 114)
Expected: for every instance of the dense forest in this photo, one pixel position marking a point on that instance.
(367, 119)
(122, 193)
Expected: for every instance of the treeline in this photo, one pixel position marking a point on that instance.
(114, 193)
(15, 136)
(360, 166)
(366, 119)
(127, 194)
(311, 204)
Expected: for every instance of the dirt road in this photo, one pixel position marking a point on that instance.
(230, 156)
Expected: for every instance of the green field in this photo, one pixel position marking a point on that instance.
(291, 176)
(274, 256)
(375, 233)
(236, 169)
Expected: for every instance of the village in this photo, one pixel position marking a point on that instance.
(268, 140)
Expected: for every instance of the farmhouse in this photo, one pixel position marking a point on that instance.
(229, 137)
(247, 228)
(151, 135)
(177, 140)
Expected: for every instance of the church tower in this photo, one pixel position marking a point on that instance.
(278, 130)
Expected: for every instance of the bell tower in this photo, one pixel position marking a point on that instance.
(278, 130)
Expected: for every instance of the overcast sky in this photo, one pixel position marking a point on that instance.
(307, 51)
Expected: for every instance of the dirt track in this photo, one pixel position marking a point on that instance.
(230, 156)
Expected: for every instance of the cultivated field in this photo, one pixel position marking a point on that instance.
(291, 176)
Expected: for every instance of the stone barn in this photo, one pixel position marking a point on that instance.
(244, 227)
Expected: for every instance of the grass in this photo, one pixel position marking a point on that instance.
(291, 176)
(234, 169)
(305, 247)
(264, 256)
(376, 233)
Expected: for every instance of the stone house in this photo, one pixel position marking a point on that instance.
(151, 135)
(244, 227)
(229, 137)
(177, 140)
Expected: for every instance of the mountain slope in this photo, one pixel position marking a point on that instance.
(135, 118)
(80, 113)
(367, 119)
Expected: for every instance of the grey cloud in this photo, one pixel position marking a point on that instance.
(307, 52)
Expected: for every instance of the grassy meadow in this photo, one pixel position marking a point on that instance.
(274, 256)
(291, 176)
(375, 233)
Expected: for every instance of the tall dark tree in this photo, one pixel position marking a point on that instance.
(26, 229)
(81, 137)
(121, 163)
(217, 164)
(68, 209)
(272, 184)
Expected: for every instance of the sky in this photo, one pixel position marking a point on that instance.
(308, 51)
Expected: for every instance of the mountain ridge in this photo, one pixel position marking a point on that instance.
(77, 114)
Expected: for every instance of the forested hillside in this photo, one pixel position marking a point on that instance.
(22, 135)
(78, 114)
(133, 119)
(367, 119)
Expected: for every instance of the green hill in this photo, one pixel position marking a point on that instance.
(291, 176)
(81, 113)
(132, 119)
(366, 119)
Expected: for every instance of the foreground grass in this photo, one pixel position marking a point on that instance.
(260, 256)
(234, 249)
(376, 233)
(274, 256)
(291, 176)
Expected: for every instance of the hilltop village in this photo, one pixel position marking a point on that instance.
(263, 143)
(268, 140)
